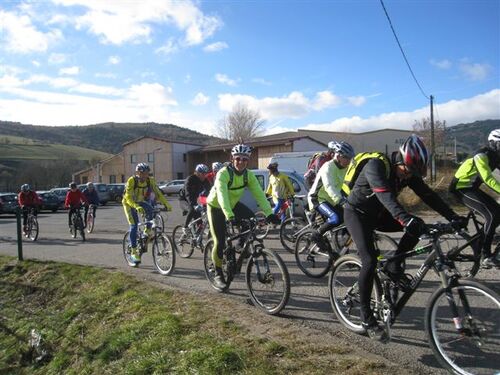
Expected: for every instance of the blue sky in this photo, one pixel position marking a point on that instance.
(331, 65)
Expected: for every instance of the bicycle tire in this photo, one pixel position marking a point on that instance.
(126, 250)
(81, 229)
(262, 228)
(159, 222)
(288, 232)
(74, 227)
(467, 260)
(259, 286)
(209, 267)
(185, 246)
(344, 293)
(478, 344)
(33, 229)
(90, 223)
(163, 254)
(310, 259)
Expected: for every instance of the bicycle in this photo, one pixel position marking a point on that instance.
(459, 339)
(263, 226)
(90, 220)
(158, 219)
(266, 276)
(316, 263)
(163, 253)
(196, 230)
(294, 226)
(32, 228)
(77, 224)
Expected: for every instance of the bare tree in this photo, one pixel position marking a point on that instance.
(241, 123)
(423, 129)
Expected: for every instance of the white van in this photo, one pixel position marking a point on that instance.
(293, 161)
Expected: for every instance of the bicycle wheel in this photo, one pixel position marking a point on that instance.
(163, 254)
(311, 260)
(79, 225)
(466, 256)
(267, 280)
(33, 228)
(183, 243)
(262, 229)
(126, 250)
(290, 229)
(384, 243)
(74, 227)
(90, 222)
(344, 292)
(159, 222)
(474, 348)
(209, 267)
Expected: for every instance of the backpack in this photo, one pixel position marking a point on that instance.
(357, 164)
(313, 165)
(230, 170)
(148, 191)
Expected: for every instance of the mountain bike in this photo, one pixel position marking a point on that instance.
(185, 243)
(90, 219)
(266, 275)
(293, 227)
(162, 248)
(462, 318)
(77, 224)
(158, 219)
(316, 262)
(32, 228)
(263, 226)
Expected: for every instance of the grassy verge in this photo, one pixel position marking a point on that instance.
(96, 321)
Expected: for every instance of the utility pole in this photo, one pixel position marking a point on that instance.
(433, 148)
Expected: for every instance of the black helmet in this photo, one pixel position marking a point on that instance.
(273, 166)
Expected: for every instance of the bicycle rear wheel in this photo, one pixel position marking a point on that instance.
(209, 268)
(288, 232)
(183, 243)
(90, 222)
(267, 280)
(474, 348)
(312, 260)
(163, 254)
(33, 228)
(262, 228)
(126, 250)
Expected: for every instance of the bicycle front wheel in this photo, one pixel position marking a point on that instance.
(183, 243)
(289, 231)
(209, 267)
(466, 256)
(470, 342)
(163, 254)
(79, 225)
(90, 223)
(267, 280)
(159, 222)
(126, 250)
(312, 260)
(262, 228)
(33, 229)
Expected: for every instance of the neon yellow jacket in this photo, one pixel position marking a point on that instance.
(224, 197)
(136, 192)
(280, 187)
(475, 171)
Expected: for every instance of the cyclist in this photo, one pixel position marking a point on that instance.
(466, 186)
(74, 199)
(195, 185)
(280, 188)
(316, 162)
(216, 166)
(326, 195)
(92, 198)
(28, 199)
(372, 204)
(223, 202)
(136, 201)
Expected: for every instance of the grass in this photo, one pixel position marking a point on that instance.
(94, 321)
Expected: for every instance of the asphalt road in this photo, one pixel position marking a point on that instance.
(309, 303)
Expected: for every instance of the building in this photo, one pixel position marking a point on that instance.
(168, 160)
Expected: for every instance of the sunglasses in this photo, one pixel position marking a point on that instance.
(240, 159)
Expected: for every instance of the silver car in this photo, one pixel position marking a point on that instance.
(172, 187)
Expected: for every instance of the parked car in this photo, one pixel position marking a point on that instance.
(50, 201)
(116, 192)
(8, 203)
(172, 187)
(102, 192)
(61, 194)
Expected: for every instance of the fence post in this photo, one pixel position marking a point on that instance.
(19, 235)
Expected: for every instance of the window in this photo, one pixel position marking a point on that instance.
(112, 179)
(123, 178)
(180, 175)
(184, 157)
(151, 158)
(85, 179)
(296, 186)
(133, 158)
(260, 178)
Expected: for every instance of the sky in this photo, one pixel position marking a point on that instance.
(329, 65)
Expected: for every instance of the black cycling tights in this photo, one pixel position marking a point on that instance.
(192, 215)
(481, 202)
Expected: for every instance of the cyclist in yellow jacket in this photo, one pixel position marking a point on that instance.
(136, 201)
(280, 188)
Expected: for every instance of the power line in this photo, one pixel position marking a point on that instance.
(401, 49)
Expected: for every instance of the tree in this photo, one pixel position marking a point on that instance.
(423, 129)
(242, 123)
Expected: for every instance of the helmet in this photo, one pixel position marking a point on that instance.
(201, 168)
(331, 145)
(494, 139)
(25, 187)
(90, 184)
(72, 185)
(142, 167)
(241, 149)
(414, 155)
(273, 166)
(344, 149)
(216, 166)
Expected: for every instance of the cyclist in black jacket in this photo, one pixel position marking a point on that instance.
(372, 204)
(195, 185)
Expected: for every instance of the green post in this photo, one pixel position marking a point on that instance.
(19, 235)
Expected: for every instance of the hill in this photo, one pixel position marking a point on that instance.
(106, 137)
(473, 135)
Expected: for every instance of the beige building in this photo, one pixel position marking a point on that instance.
(168, 160)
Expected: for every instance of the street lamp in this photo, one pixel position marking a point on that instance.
(154, 161)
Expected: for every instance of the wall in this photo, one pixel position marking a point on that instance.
(306, 144)
(161, 167)
(265, 153)
(180, 160)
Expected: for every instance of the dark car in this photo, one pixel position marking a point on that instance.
(102, 192)
(50, 201)
(116, 192)
(61, 194)
(8, 203)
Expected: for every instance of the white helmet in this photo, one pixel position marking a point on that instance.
(494, 139)
(331, 145)
(241, 149)
(216, 166)
(201, 168)
(344, 149)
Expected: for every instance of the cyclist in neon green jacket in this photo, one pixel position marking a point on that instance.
(223, 202)
(280, 188)
(465, 185)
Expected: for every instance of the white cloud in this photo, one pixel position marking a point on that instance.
(152, 95)
(261, 81)
(441, 64)
(225, 80)
(169, 48)
(480, 107)
(105, 75)
(36, 63)
(70, 71)
(325, 99)
(19, 35)
(215, 47)
(356, 101)
(200, 99)
(114, 60)
(57, 58)
(475, 71)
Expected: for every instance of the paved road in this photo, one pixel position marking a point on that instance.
(309, 303)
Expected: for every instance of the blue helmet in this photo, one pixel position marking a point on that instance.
(201, 168)
(344, 149)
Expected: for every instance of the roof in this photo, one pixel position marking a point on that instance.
(351, 133)
(160, 139)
